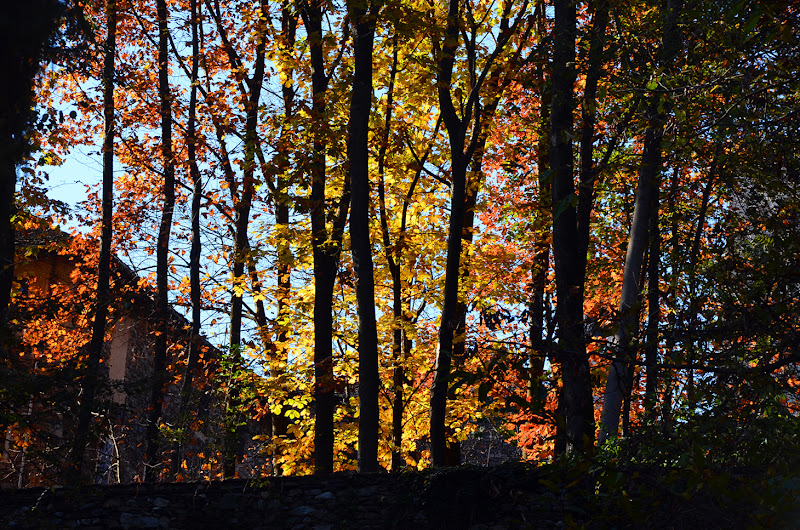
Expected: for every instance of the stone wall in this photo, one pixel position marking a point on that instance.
(462, 498)
(505, 497)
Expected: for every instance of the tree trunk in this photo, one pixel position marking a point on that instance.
(672, 319)
(284, 250)
(241, 256)
(588, 170)
(639, 240)
(92, 377)
(25, 28)
(393, 257)
(358, 152)
(326, 249)
(461, 154)
(537, 304)
(160, 375)
(194, 252)
(653, 316)
(694, 256)
(576, 392)
(456, 132)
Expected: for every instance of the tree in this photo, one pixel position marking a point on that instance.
(327, 247)
(619, 375)
(160, 375)
(194, 256)
(91, 378)
(461, 153)
(363, 19)
(571, 353)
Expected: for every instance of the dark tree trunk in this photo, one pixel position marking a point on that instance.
(694, 256)
(358, 152)
(672, 319)
(588, 170)
(474, 182)
(327, 248)
(461, 153)
(393, 257)
(241, 256)
(653, 316)
(537, 305)
(456, 131)
(25, 28)
(194, 252)
(92, 377)
(160, 375)
(284, 250)
(576, 394)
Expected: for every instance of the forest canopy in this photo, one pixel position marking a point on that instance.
(389, 228)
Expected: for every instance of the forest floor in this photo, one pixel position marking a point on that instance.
(578, 495)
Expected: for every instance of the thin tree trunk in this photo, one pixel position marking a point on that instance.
(639, 240)
(450, 318)
(537, 305)
(576, 393)
(653, 317)
(666, 406)
(358, 152)
(194, 252)
(588, 170)
(694, 256)
(284, 250)
(241, 257)
(92, 377)
(327, 249)
(152, 457)
(474, 182)
(393, 257)
(461, 153)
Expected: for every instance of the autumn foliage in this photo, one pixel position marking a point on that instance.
(537, 251)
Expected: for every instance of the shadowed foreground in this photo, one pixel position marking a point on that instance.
(511, 496)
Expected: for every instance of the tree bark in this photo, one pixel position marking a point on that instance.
(194, 253)
(284, 250)
(152, 458)
(92, 377)
(653, 316)
(327, 248)
(537, 304)
(461, 152)
(241, 256)
(576, 393)
(393, 258)
(456, 132)
(639, 239)
(588, 170)
(363, 21)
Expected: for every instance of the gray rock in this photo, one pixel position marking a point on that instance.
(129, 520)
(160, 502)
(302, 510)
(325, 496)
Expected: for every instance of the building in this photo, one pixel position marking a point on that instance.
(51, 315)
